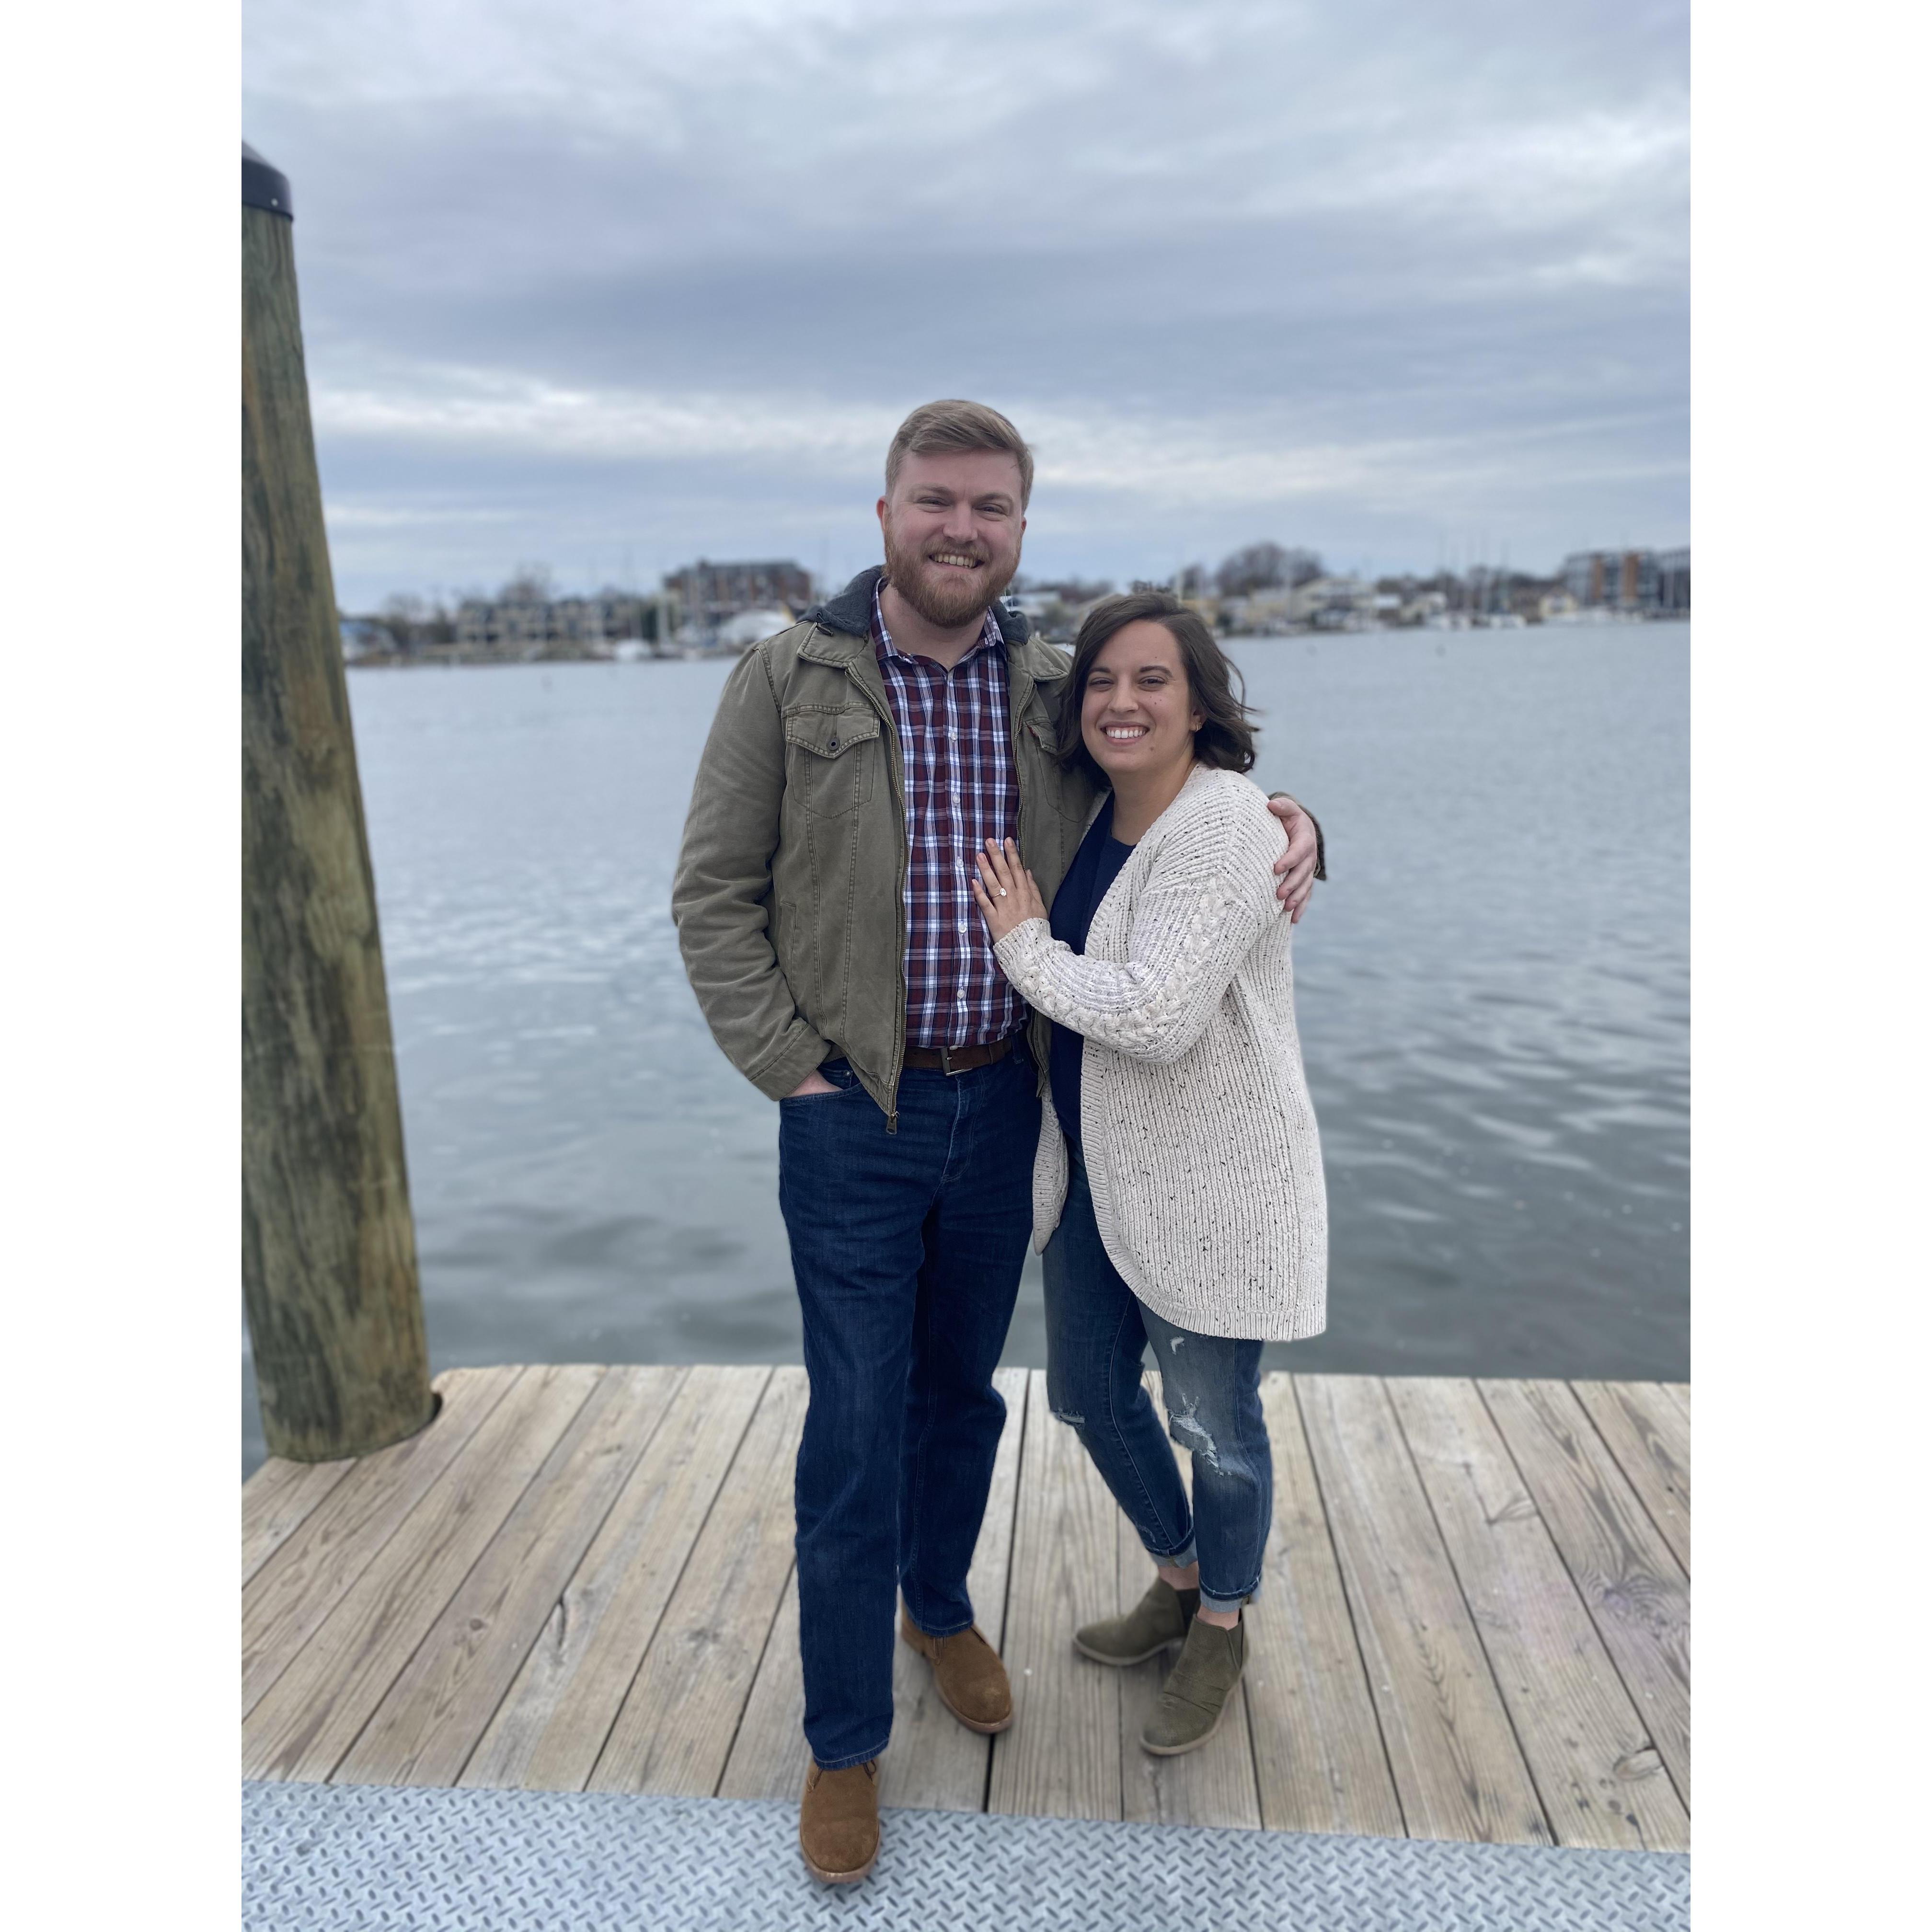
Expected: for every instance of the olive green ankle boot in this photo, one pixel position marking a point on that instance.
(1195, 1698)
(1159, 1619)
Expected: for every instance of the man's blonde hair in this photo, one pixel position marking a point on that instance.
(942, 428)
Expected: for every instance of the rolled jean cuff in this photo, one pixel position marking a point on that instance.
(856, 1757)
(1180, 1560)
(1211, 1602)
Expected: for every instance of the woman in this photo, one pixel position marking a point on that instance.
(1177, 1189)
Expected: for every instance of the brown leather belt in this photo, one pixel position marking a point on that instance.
(963, 1059)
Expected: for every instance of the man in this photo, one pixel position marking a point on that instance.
(824, 903)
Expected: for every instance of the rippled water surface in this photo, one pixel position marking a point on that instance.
(1492, 986)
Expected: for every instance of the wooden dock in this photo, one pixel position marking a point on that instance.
(1475, 1624)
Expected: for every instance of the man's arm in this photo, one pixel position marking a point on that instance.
(1305, 860)
(721, 897)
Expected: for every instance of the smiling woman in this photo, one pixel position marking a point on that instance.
(1178, 1196)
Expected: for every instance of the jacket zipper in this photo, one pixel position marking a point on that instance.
(905, 860)
(1017, 724)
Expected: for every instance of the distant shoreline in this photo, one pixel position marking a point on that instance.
(447, 659)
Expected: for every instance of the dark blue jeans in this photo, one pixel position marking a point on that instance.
(1096, 1332)
(907, 1249)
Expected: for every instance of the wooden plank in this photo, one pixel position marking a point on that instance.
(1319, 1757)
(674, 1730)
(432, 1717)
(1456, 1765)
(1062, 1757)
(770, 1756)
(311, 1714)
(1600, 1779)
(935, 1763)
(554, 1721)
(1680, 1393)
(1637, 1596)
(289, 1598)
(276, 1501)
(1646, 1429)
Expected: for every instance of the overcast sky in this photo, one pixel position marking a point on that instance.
(609, 285)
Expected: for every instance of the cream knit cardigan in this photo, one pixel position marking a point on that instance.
(1199, 1139)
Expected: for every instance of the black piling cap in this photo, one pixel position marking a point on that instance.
(264, 185)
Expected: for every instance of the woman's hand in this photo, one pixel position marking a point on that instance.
(1007, 891)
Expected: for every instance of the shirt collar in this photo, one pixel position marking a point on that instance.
(990, 636)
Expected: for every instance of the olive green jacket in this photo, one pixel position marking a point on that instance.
(789, 894)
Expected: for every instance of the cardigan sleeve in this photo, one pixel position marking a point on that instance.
(1208, 896)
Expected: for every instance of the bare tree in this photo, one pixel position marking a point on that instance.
(1265, 566)
(531, 585)
(404, 617)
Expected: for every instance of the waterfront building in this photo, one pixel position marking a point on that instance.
(1643, 583)
(712, 594)
(1673, 582)
(1333, 603)
(520, 622)
(1260, 612)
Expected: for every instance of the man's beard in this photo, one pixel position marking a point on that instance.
(952, 599)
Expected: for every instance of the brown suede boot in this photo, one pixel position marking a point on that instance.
(971, 1678)
(838, 1823)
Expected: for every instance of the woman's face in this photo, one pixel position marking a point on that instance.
(1137, 715)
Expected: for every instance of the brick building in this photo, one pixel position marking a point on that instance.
(710, 593)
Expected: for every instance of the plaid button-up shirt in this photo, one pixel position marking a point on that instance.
(960, 789)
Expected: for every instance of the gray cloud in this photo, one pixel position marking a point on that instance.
(619, 284)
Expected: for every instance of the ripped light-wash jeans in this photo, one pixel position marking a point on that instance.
(1096, 1332)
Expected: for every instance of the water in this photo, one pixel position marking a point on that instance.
(1492, 991)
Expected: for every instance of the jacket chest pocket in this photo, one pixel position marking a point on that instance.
(1068, 797)
(1039, 738)
(831, 759)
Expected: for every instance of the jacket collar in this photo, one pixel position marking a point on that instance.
(842, 636)
(844, 622)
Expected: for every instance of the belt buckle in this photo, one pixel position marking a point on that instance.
(945, 1066)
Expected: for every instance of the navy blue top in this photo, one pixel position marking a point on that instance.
(1095, 867)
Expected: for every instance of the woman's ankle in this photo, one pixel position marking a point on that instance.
(1189, 1579)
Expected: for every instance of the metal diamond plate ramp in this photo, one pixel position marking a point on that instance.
(323, 1857)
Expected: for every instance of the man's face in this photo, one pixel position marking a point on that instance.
(952, 527)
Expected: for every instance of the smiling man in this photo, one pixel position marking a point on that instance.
(824, 904)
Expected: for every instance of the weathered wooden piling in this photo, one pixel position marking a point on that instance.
(328, 1245)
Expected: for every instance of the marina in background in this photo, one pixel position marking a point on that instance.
(710, 610)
